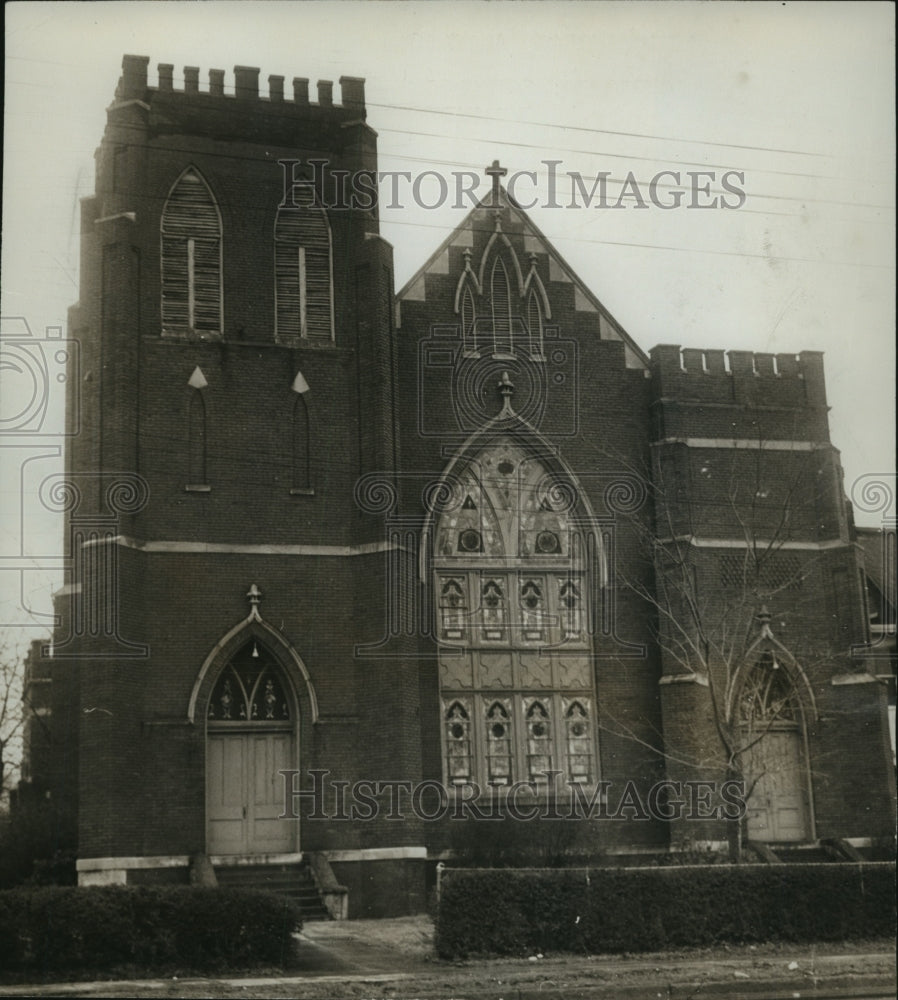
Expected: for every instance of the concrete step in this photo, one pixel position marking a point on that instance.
(804, 855)
(294, 881)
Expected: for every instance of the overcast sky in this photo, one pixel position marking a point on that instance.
(797, 97)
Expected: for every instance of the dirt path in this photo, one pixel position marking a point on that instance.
(361, 960)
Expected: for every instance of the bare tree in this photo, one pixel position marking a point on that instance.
(17, 708)
(711, 602)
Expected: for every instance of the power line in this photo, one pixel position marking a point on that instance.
(601, 131)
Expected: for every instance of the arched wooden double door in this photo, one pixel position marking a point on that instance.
(250, 738)
(773, 758)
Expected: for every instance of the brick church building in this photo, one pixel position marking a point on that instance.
(348, 565)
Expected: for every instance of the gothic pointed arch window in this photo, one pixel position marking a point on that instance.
(512, 617)
(303, 266)
(191, 259)
(501, 307)
(768, 695)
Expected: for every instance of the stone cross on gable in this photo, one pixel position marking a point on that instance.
(495, 171)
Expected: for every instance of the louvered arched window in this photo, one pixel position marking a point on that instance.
(303, 271)
(191, 259)
(500, 294)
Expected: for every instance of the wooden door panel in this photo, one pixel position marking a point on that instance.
(226, 794)
(245, 793)
(270, 835)
(776, 809)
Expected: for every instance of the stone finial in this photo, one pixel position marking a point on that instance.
(506, 388)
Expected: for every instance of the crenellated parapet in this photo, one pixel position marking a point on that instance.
(692, 375)
(134, 85)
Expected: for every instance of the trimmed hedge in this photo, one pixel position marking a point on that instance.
(63, 929)
(520, 912)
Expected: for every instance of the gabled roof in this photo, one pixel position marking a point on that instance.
(534, 241)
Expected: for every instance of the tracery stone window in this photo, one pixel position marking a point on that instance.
(511, 609)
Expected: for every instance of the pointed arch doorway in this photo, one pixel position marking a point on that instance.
(773, 757)
(251, 736)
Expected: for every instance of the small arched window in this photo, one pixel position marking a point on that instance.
(458, 743)
(303, 285)
(579, 742)
(453, 607)
(191, 259)
(498, 745)
(539, 743)
(492, 599)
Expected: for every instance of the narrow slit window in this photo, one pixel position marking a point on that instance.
(301, 446)
(196, 439)
(535, 324)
